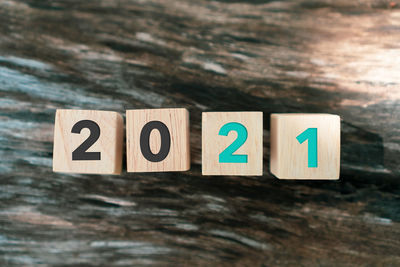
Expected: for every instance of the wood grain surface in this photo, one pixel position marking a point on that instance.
(340, 57)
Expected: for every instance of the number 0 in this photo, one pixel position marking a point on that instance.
(227, 156)
(311, 135)
(145, 141)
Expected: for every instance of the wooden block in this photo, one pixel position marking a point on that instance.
(305, 146)
(232, 143)
(88, 141)
(157, 140)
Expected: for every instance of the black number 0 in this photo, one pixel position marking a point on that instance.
(145, 141)
(80, 152)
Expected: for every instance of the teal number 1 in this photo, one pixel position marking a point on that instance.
(311, 135)
(227, 155)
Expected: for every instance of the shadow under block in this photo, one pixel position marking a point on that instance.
(88, 141)
(305, 146)
(232, 143)
(157, 140)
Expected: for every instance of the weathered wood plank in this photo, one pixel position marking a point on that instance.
(337, 57)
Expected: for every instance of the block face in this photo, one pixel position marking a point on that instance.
(232, 143)
(157, 140)
(88, 141)
(305, 146)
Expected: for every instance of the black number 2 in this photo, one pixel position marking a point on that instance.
(80, 152)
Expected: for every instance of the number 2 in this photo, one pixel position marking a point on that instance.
(80, 153)
(311, 135)
(227, 156)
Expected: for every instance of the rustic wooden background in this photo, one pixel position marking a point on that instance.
(341, 57)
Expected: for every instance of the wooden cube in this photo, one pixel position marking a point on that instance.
(232, 143)
(157, 140)
(88, 141)
(305, 146)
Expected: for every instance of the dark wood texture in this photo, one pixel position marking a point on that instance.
(339, 57)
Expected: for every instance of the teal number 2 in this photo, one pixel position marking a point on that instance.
(311, 135)
(227, 156)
